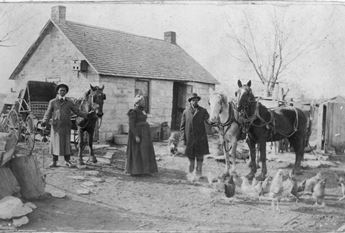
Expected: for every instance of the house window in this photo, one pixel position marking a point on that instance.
(142, 88)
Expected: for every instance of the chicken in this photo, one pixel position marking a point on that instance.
(311, 182)
(258, 187)
(266, 184)
(319, 192)
(237, 179)
(255, 181)
(248, 189)
(229, 186)
(277, 188)
(341, 183)
(173, 142)
(290, 188)
(212, 178)
(301, 186)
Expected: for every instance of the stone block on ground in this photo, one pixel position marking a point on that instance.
(97, 179)
(77, 177)
(88, 184)
(97, 147)
(17, 222)
(92, 173)
(82, 191)
(30, 205)
(55, 192)
(104, 160)
(109, 155)
(11, 207)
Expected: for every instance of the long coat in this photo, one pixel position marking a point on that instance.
(60, 111)
(194, 131)
(141, 157)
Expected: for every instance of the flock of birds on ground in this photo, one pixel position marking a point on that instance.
(282, 185)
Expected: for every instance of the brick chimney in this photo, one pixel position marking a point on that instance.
(170, 37)
(58, 14)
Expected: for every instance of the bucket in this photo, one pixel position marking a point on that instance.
(155, 129)
(165, 131)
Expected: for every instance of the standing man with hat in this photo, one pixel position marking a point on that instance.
(194, 134)
(60, 111)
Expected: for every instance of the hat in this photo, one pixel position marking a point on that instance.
(194, 96)
(138, 99)
(61, 85)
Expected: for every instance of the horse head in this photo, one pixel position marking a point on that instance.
(244, 96)
(96, 99)
(217, 102)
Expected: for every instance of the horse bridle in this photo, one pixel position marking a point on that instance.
(221, 126)
(92, 96)
(250, 119)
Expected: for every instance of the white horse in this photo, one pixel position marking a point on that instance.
(224, 116)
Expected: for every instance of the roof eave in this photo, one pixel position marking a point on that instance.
(156, 78)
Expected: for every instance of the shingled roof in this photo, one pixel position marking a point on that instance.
(116, 53)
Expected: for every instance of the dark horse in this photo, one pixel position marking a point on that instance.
(92, 102)
(265, 125)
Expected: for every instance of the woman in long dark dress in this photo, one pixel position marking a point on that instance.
(141, 157)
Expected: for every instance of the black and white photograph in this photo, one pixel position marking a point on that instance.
(172, 116)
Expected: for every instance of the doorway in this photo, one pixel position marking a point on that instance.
(323, 135)
(181, 91)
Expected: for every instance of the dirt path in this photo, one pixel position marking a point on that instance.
(168, 201)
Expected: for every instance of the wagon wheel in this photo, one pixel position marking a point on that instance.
(12, 120)
(29, 132)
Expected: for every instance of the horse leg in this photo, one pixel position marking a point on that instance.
(233, 153)
(252, 165)
(258, 156)
(80, 146)
(297, 143)
(262, 147)
(227, 157)
(92, 156)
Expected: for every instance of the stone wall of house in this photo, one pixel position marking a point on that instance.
(120, 98)
(53, 62)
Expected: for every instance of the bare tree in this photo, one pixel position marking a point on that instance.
(282, 52)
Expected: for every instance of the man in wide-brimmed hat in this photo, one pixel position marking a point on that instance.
(194, 134)
(62, 85)
(60, 111)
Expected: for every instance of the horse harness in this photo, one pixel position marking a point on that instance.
(270, 124)
(223, 128)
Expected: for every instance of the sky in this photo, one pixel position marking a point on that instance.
(206, 30)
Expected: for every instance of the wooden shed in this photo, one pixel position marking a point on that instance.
(331, 125)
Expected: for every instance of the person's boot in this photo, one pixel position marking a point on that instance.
(69, 164)
(199, 169)
(190, 175)
(53, 164)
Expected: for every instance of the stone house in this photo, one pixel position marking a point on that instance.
(125, 64)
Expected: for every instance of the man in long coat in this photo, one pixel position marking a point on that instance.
(60, 111)
(194, 134)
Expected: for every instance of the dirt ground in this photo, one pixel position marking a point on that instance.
(167, 201)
